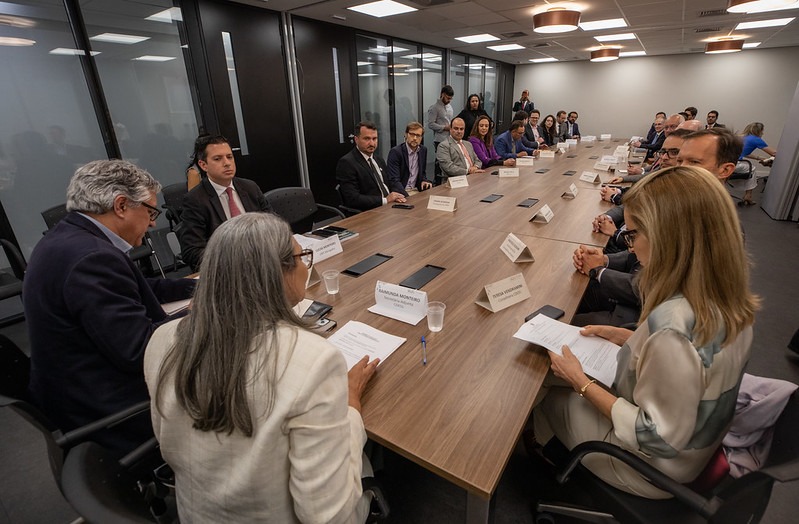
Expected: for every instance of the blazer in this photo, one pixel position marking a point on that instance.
(527, 107)
(530, 135)
(575, 129)
(90, 313)
(488, 156)
(504, 145)
(398, 169)
(654, 145)
(357, 185)
(450, 157)
(203, 213)
(563, 132)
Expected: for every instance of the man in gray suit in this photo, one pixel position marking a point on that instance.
(455, 155)
(563, 127)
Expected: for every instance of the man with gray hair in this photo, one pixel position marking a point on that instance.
(90, 311)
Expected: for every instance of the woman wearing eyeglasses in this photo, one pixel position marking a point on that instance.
(678, 373)
(256, 415)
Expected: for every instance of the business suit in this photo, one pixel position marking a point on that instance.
(563, 132)
(575, 129)
(90, 313)
(613, 299)
(356, 180)
(451, 159)
(654, 145)
(203, 213)
(504, 144)
(526, 106)
(398, 170)
(708, 126)
(530, 135)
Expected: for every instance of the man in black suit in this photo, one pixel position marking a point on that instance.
(572, 126)
(524, 103)
(361, 174)
(407, 163)
(219, 197)
(657, 141)
(713, 119)
(612, 296)
(90, 311)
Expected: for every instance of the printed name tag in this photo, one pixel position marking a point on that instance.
(544, 215)
(588, 138)
(571, 192)
(608, 159)
(503, 294)
(326, 248)
(400, 303)
(516, 250)
(599, 166)
(525, 161)
(441, 203)
(589, 176)
(547, 154)
(508, 172)
(604, 137)
(457, 181)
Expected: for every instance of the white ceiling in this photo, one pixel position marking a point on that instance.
(662, 27)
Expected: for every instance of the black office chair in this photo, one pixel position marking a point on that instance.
(53, 215)
(173, 202)
(348, 211)
(741, 500)
(298, 207)
(11, 283)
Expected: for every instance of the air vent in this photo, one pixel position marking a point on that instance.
(714, 12)
(707, 30)
(517, 34)
(431, 3)
(544, 44)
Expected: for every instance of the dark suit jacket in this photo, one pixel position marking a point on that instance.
(203, 213)
(398, 169)
(527, 107)
(90, 313)
(357, 186)
(654, 145)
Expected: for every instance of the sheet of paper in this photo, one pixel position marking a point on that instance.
(356, 339)
(597, 355)
(170, 308)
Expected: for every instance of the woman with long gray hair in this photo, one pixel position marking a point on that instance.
(257, 416)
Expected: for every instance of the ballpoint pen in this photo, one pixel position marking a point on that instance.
(424, 352)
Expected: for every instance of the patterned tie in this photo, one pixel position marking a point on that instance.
(231, 202)
(376, 175)
(465, 154)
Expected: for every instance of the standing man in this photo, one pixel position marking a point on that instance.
(455, 155)
(439, 117)
(524, 103)
(563, 129)
(219, 197)
(572, 126)
(361, 174)
(90, 311)
(712, 119)
(407, 163)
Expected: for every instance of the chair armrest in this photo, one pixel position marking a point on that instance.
(76, 436)
(379, 509)
(332, 210)
(349, 211)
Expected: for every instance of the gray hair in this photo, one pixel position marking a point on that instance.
(238, 305)
(95, 185)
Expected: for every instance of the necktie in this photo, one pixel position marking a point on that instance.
(376, 176)
(231, 202)
(466, 154)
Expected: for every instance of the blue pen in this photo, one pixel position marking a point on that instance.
(424, 352)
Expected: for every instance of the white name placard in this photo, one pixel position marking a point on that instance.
(588, 138)
(326, 248)
(525, 161)
(589, 176)
(604, 137)
(400, 303)
(571, 192)
(608, 159)
(457, 181)
(503, 294)
(313, 278)
(441, 203)
(601, 166)
(544, 215)
(516, 250)
(547, 154)
(571, 142)
(508, 172)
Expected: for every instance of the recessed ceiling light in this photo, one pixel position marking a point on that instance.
(793, 5)
(170, 15)
(632, 53)
(367, 74)
(506, 47)
(543, 60)
(362, 63)
(16, 21)
(775, 22)
(71, 52)
(603, 24)
(154, 58)
(751, 45)
(760, 6)
(614, 38)
(485, 37)
(382, 8)
(116, 38)
(11, 41)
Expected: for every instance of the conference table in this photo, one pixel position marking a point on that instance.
(461, 414)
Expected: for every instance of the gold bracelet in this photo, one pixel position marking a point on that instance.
(582, 389)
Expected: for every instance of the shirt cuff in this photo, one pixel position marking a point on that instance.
(385, 201)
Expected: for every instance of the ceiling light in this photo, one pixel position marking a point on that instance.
(605, 55)
(367, 74)
(749, 6)
(382, 8)
(775, 22)
(751, 45)
(615, 38)
(625, 54)
(728, 45)
(11, 41)
(543, 60)
(427, 57)
(170, 15)
(17, 21)
(603, 24)
(506, 47)
(71, 52)
(556, 20)
(116, 38)
(154, 58)
(485, 37)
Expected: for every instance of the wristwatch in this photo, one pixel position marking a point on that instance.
(594, 272)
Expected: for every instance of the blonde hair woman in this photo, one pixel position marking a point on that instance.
(678, 374)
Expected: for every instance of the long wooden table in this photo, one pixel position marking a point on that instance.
(461, 415)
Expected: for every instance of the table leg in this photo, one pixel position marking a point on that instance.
(478, 509)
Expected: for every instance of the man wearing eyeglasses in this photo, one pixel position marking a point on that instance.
(407, 163)
(89, 310)
(219, 197)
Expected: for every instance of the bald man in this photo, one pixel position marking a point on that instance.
(456, 155)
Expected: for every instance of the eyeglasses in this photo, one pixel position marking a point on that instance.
(628, 237)
(153, 211)
(671, 152)
(415, 135)
(306, 256)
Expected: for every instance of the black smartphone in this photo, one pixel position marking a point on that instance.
(548, 311)
(542, 170)
(570, 173)
(403, 206)
(571, 156)
(496, 172)
(324, 233)
(367, 264)
(336, 229)
(492, 198)
(528, 202)
(422, 277)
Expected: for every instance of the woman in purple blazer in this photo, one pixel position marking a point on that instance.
(482, 139)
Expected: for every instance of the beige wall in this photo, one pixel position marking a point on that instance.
(621, 97)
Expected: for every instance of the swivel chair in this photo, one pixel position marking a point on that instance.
(298, 207)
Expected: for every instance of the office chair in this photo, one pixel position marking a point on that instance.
(53, 215)
(741, 500)
(173, 202)
(348, 211)
(11, 283)
(297, 206)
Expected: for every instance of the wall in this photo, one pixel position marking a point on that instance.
(621, 97)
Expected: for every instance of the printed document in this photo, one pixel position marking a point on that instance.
(357, 339)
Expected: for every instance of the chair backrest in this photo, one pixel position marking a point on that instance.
(54, 215)
(295, 204)
(173, 202)
(743, 170)
(15, 258)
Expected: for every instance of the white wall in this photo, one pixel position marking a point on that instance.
(621, 97)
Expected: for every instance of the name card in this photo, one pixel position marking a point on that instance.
(600, 166)
(547, 154)
(604, 137)
(322, 248)
(441, 203)
(503, 294)
(457, 181)
(588, 138)
(622, 149)
(313, 278)
(544, 215)
(592, 177)
(509, 172)
(608, 159)
(400, 303)
(639, 152)
(523, 161)
(571, 142)
(562, 146)
(516, 250)
(570, 193)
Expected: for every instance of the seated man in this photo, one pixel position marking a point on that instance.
(456, 155)
(657, 141)
(509, 144)
(611, 297)
(532, 131)
(572, 126)
(217, 198)
(362, 175)
(407, 163)
(90, 311)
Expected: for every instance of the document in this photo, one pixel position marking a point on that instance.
(356, 339)
(597, 355)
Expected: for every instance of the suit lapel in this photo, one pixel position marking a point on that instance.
(216, 205)
(246, 201)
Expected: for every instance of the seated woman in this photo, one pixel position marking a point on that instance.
(194, 173)
(678, 374)
(256, 415)
(753, 139)
(473, 109)
(550, 131)
(482, 140)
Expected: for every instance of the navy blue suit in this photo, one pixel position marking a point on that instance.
(398, 169)
(504, 145)
(90, 314)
